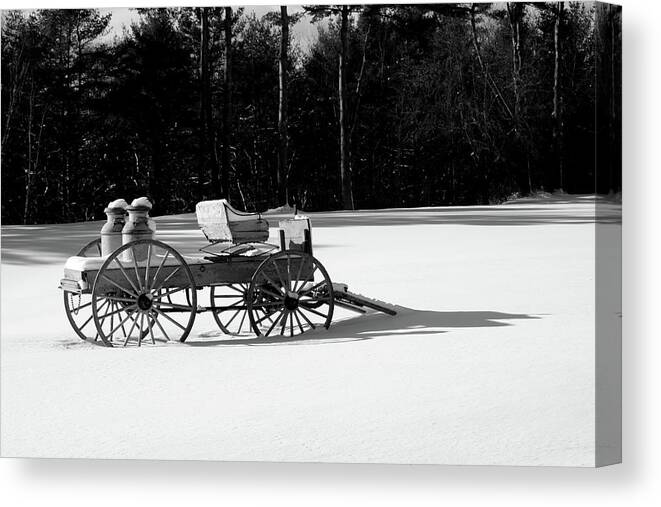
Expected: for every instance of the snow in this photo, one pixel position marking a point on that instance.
(490, 359)
(141, 202)
(118, 203)
(284, 209)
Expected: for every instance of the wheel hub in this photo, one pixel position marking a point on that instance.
(291, 301)
(144, 301)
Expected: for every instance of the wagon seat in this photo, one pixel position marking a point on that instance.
(221, 223)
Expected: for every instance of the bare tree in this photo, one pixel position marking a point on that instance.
(206, 145)
(557, 93)
(227, 104)
(345, 165)
(282, 106)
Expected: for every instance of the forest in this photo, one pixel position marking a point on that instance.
(390, 106)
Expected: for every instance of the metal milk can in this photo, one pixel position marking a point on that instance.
(138, 226)
(111, 232)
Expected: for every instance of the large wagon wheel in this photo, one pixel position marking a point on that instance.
(290, 293)
(229, 308)
(152, 293)
(78, 307)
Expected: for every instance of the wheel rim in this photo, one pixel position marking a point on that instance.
(149, 295)
(78, 306)
(290, 293)
(229, 308)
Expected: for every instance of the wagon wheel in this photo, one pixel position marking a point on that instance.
(229, 308)
(78, 307)
(149, 295)
(290, 293)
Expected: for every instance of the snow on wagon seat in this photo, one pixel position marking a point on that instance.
(220, 222)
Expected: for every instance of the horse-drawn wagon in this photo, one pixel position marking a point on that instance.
(145, 291)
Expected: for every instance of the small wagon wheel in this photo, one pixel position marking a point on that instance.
(78, 307)
(149, 295)
(229, 308)
(290, 293)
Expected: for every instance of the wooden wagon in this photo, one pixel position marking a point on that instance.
(147, 292)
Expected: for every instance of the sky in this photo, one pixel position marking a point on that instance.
(304, 32)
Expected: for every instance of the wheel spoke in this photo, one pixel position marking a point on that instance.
(306, 319)
(135, 321)
(135, 267)
(295, 313)
(169, 318)
(128, 315)
(267, 316)
(105, 316)
(86, 322)
(121, 268)
(233, 287)
(275, 323)
(277, 270)
(269, 279)
(271, 293)
(112, 317)
(121, 324)
(284, 322)
(142, 320)
(298, 274)
(158, 270)
(313, 311)
(123, 289)
(230, 307)
(168, 277)
(243, 318)
(233, 317)
(76, 310)
(123, 300)
(150, 325)
(146, 286)
(169, 292)
(161, 328)
(114, 312)
(92, 316)
(289, 273)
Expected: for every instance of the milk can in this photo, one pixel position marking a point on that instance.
(111, 232)
(138, 226)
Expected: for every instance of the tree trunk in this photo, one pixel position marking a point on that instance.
(28, 170)
(557, 97)
(205, 111)
(282, 175)
(227, 105)
(345, 168)
(515, 15)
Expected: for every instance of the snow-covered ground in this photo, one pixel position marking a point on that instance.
(489, 361)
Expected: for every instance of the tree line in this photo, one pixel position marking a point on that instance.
(392, 105)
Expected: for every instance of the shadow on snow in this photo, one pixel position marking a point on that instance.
(407, 322)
